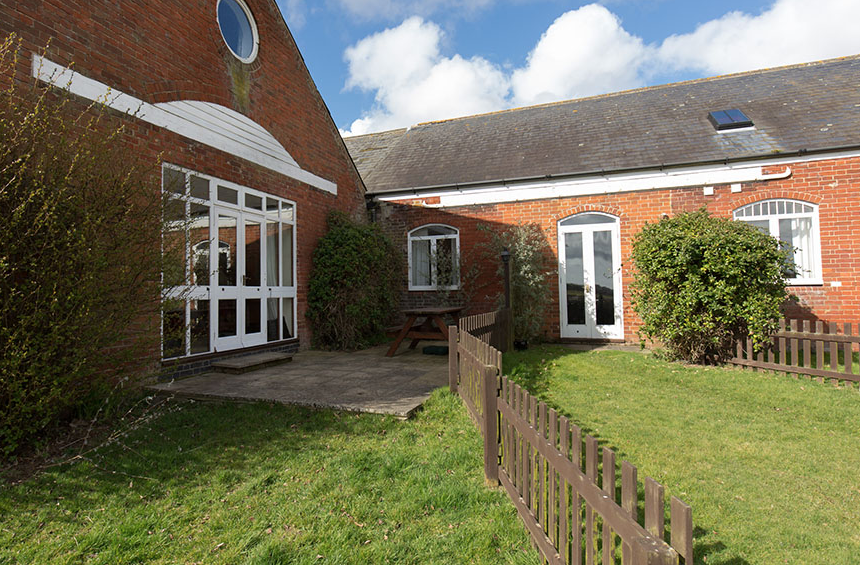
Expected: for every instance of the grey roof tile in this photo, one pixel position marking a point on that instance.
(813, 107)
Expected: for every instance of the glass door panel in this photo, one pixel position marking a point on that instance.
(604, 279)
(227, 249)
(253, 250)
(574, 279)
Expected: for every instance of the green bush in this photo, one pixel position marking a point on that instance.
(78, 267)
(353, 286)
(703, 282)
(530, 274)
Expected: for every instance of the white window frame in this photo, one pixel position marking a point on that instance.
(814, 277)
(254, 32)
(286, 216)
(434, 240)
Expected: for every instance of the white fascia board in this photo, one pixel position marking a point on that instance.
(502, 192)
(243, 138)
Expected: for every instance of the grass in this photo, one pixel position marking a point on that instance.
(267, 484)
(768, 463)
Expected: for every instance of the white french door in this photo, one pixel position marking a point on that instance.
(589, 270)
(238, 279)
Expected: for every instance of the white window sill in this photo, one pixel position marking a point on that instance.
(431, 288)
(804, 282)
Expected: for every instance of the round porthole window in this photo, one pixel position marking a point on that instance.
(238, 29)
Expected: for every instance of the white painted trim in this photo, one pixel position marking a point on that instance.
(598, 184)
(205, 122)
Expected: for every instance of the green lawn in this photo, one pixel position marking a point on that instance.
(264, 484)
(770, 464)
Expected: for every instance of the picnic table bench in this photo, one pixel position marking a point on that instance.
(433, 327)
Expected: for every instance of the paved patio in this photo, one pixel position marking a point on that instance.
(364, 381)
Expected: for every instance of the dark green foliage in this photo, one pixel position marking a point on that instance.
(530, 274)
(78, 262)
(353, 285)
(702, 282)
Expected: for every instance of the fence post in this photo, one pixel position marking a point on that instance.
(453, 359)
(490, 425)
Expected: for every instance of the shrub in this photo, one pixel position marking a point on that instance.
(702, 282)
(530, 273)
(77, 261)
(353, 284)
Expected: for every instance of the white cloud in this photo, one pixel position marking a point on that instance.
(294, 12)
(584, 52)
(790, 31)
(415, 83)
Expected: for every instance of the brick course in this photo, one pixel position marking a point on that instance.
(832, 184)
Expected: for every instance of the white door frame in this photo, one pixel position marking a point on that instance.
(591, 330)
(238, 292)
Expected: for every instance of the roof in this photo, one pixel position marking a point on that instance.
(799, 108)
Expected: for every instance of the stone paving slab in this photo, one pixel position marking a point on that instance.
(363, 381)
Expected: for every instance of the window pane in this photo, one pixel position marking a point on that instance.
(173, 181)
(199, 326)
(228, 195)
(421, 263)
(287, 327)
(272, 254)
(253, 202)
(199, 187)
(604, 281)
(227, 318)
(199, 235)
(762, 225)
(252, 315)
(447, 266)
(287, 214)
(574, 278)
(272, 207)
(287, 254)
(273, 314)
(253, 260)
(174, 243)
(797, 233)
(173, 328)
(227, 229)
(587, 219)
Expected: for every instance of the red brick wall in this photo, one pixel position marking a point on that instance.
(832, 184)
(164, 50)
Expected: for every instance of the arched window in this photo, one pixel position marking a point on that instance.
(795, 224)
(434, 258)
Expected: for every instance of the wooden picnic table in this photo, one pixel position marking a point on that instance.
(433, 327)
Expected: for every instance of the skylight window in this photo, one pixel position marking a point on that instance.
(729, 119)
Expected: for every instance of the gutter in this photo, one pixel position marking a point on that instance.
(663, 167)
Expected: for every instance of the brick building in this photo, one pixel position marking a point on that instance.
(218, 90)
(778, 148)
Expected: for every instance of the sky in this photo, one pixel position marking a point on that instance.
(386, 64)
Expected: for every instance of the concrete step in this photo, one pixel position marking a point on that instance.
(247, 363)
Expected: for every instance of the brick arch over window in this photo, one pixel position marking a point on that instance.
(777, 193)
(586, 208)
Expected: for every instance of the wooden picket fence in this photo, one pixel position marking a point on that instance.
(571, 512)
(827, 352)
(491, 328)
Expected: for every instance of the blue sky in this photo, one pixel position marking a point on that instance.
(381, 64)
